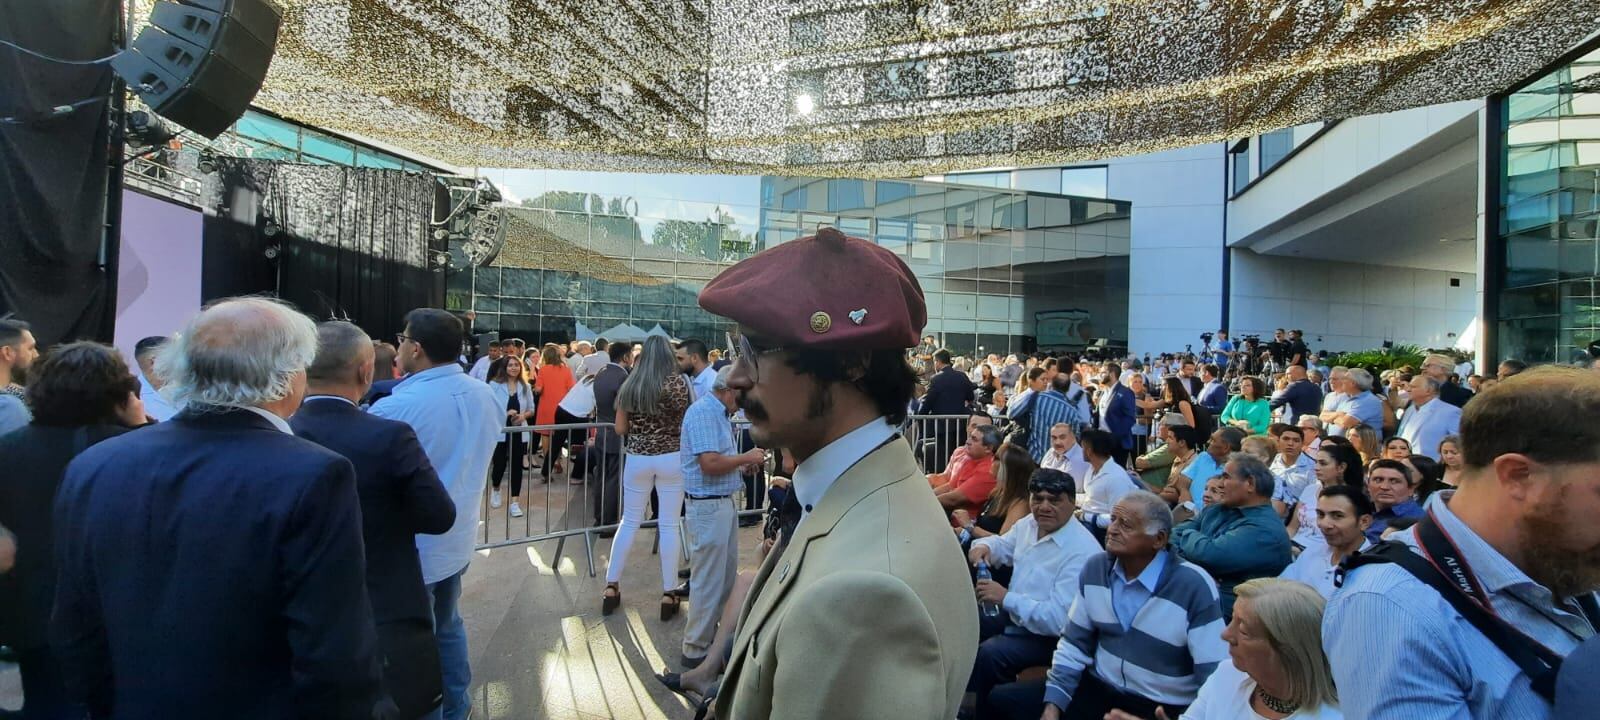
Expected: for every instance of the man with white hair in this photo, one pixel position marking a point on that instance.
(711, 461)
(1427, 421)
(1113, 653)
(1439, 367)
(1358, 406)
(580, 350)
(1311, 432)
(458, 423)
(214, 563)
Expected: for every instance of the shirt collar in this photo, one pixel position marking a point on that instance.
(345, 400)
(709, 373)
(1493, 569)
(278, 423)
(813, 477)
(422, 376)
(1149, 577)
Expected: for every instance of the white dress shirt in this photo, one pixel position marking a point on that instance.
(1044, 579)
(480, 369)
(819, 472)
(1315, 567)
(1071, 462)
(278, 423)
(1105, 487)
(592, 364)
(155, 405)
(1425, 426)
(1293, 479)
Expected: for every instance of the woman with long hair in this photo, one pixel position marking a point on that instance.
(1450, 459)
(988, 385)
(1176, 399)
(513, 394)
(80, 394)
(1008, 502)
(650, 407)
(1397, 448)
(552, 383)
(1364, 438)
(1337, 464)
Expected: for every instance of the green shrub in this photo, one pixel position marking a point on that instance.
(1378, 360)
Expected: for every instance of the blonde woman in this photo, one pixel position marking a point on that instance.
(1364, 438)
(1275, 669)
(1450, 459)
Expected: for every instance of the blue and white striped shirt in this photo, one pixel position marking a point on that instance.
(1165, 655)
(706, 429)
(1049, 408)
(1399, 651)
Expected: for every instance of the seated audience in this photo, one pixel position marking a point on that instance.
(1185, 444)
(1240, 538)
(1008, 502)
(1450, 460)
(1364, 438)
(969, 480)
(1397, 448)
(1521, 526)
(1293, 469)
(1066, 454)
(1393, 489)
(1143, 632)
(1046, 551)
(1275, 666)
(1337, 464)
(1311, 430)
(1343, 514)
(1205, 465)
(1260, 446)
(1249, 410)
(1155, 466)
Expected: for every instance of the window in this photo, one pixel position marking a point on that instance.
(1239, 155)
(1089, 182)
(986, 179)
(1275, 146)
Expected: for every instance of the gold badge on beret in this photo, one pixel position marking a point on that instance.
(820, 322)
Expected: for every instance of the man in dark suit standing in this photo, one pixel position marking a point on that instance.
(605, 450)
(211, 566)
(401, 497)
(949, 393)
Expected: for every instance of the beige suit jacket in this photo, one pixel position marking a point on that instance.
(868, 613)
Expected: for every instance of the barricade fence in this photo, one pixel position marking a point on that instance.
(560, 481)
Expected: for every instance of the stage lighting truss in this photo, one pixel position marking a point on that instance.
(881, 88)
(472, 221)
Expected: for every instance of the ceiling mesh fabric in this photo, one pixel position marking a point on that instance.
(880, 88)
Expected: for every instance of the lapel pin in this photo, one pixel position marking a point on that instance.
(857, 316)
(820, 322)
(783, 572)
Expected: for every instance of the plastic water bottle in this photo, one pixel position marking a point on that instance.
(989, 609)
(966, 537)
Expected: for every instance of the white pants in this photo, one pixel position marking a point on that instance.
(713, 527)
(640, 473)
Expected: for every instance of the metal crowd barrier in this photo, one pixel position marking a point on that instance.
(582, 495)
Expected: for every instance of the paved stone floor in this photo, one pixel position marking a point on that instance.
(540, 647)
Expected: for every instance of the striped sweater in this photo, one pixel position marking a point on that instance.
(1167, 652)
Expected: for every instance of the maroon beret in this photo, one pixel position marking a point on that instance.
(827, 291)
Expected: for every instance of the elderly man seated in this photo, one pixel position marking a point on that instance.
(1393, 489)
(1046, 550)
(926, 452)
(968, 481)
(1239, 538)
(1144, 631)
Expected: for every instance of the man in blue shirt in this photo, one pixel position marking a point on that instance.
(1239, 538)
(1358, 407)
(1522, 525)
(1393, 490)
(1213, 395)
(711, 464)
(457, 421)
(1045, 410)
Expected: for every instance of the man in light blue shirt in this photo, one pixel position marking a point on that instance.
(144, 355)
(458, 422)
(1522, 525)
(1429, 419)
(1358, 407)
(711, 464)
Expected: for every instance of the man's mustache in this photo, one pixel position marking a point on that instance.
(753, 409)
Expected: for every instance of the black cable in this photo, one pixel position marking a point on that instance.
(49, 58)
(54, 112)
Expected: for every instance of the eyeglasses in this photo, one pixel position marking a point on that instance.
(748, 352)
(402, 338)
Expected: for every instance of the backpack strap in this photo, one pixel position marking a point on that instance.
(1539, 663)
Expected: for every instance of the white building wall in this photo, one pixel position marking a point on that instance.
(1350, 306)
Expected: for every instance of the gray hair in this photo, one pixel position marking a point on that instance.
(1338, 370)
(721, 383)
(1361, 378)
(240, 352)
(1429, 382)
(1157, 516)
(1310, 421)
(641, 392)
(341, 346)
(1256, 471)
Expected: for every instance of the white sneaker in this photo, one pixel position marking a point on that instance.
(516, 510)
(494, 499)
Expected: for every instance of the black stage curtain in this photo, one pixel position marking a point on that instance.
(351, 243)
(53, 171)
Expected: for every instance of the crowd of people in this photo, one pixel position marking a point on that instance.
(272, 517)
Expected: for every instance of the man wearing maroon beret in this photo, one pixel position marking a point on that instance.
(867, 612)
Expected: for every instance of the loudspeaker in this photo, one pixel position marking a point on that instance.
(200, 62)
(1030, 344)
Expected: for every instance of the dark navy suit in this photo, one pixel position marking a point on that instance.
(949, 393)
(1120, 416)
(211, 567)
(401, 497)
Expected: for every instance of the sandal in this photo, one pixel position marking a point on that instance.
(669, 605)
(702, 701)
(609, 600)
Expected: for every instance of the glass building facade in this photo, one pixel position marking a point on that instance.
(1549, 221)
(1004, 270)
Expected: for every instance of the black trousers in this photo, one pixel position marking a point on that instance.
(44, 691)
(1003, 651)
(604, 474)
(510, 453)
(561, 439)
(1093, 699)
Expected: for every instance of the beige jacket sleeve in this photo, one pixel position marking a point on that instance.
(863, 646)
